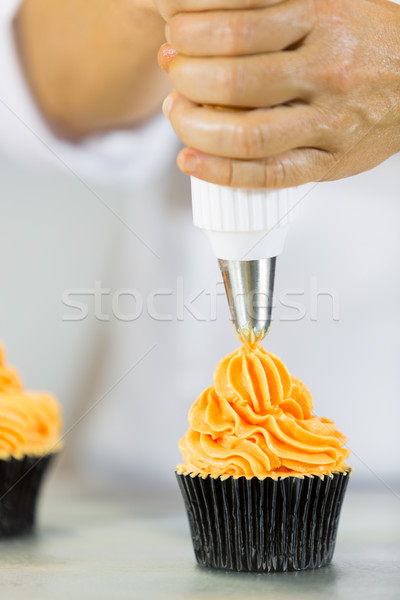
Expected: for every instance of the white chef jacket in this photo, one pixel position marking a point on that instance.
(136, 379)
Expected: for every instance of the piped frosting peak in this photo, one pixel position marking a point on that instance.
(30, 422)
(257, 420)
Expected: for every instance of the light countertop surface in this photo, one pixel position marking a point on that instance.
(97, 548)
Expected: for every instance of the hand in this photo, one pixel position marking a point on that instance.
(319, 82)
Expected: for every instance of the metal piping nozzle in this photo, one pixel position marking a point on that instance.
(249, 286)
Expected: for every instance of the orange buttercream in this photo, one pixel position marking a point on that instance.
(256, 421)
(9, 378)
(30, 423)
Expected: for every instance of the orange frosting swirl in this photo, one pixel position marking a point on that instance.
(9, 378)
(256, 421)
(30, 423)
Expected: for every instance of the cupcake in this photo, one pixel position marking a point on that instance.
(30, 429)
(263, 479)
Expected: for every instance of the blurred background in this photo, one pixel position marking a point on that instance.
(112, 300)
(127, 375)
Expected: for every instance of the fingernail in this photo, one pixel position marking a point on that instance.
(167, 105)
(188, 161)
(166, 56)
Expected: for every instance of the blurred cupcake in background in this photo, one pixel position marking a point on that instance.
(30, 435)
(263, 479)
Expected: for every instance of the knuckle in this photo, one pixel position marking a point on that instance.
(238, 175)
(249, 141)
(320, 126)
(334, 76)
(275, 175)
(230, 175)
(340, 76)
(332, 121)
(225, 174)
(231, 80)
(336, 68)
(235, 32)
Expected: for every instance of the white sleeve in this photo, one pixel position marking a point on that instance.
(119, 157)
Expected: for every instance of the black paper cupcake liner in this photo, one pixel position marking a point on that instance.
(19, 487)
(264, 525)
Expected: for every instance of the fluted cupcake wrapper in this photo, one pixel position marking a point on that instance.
(19, 487)
(264, 525)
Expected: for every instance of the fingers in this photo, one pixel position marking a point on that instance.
(245, 134)
(249, 81)
(273, 148)
(170, 8)
(229, 33)
(289, 169)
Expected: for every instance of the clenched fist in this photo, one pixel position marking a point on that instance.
(314, 84)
